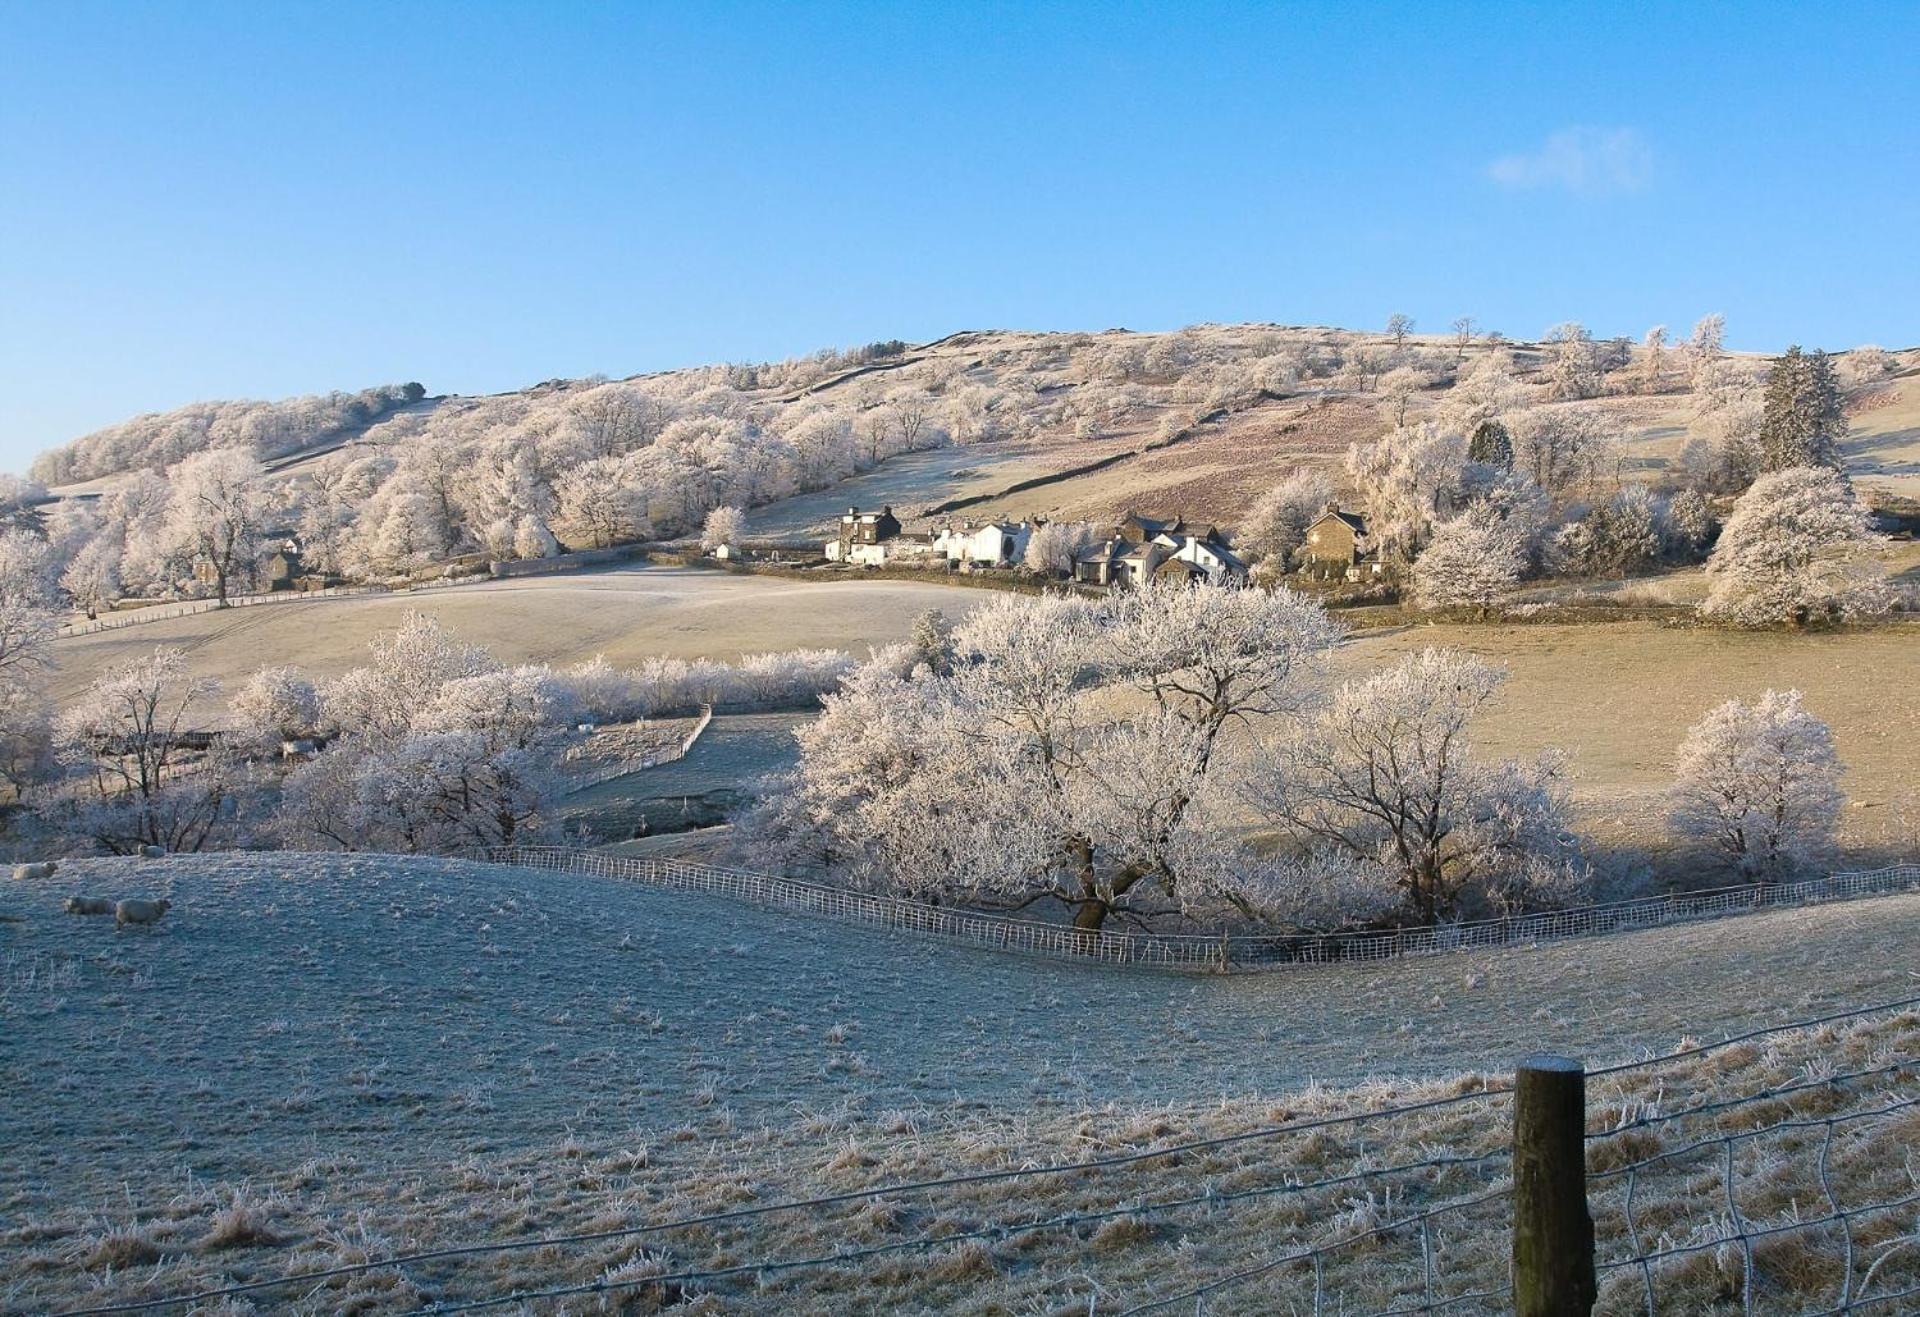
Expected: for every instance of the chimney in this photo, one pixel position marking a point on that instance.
(886, 510)
(853, 512)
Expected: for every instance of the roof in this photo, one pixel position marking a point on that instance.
(1354, 521)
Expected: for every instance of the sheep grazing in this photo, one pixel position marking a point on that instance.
(44, 869)
(152, 852)
(139, 912)
(89, 905)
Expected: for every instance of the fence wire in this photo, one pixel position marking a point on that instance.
(1740, 1222)
(1699, 1196)
(1238, 952)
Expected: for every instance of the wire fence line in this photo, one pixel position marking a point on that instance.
(162, 612)
(1648, 1257)
(1222, 953)
(189, 608)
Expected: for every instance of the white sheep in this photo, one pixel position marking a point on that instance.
(139, 912)
(89, 905)
(152, 852)
(44, 869)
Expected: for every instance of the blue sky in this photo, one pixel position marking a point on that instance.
(213, 200)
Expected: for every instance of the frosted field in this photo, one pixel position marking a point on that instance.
(628, 614)
(377, 1052)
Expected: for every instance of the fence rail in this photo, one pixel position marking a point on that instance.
(1217, 953)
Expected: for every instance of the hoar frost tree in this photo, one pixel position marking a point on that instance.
(1759, 785)
(724, 529)
(1472, 561)
(1053, 545)
(133, 780)
(1386, 778)
(216, 513)
(1797, 549)
(1074, 754)
(1276, 526)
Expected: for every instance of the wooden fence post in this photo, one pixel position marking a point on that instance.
(1553, 1273)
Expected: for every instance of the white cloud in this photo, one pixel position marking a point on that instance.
(1584, 161)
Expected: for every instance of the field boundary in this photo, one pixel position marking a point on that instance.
(1226, 953)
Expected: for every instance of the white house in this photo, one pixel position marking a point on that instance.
(996, 544)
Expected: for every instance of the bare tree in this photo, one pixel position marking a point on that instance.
(1462, 336)
(134, 782)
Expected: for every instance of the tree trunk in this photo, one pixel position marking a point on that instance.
(1091, 914)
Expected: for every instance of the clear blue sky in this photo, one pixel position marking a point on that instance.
(220, 200)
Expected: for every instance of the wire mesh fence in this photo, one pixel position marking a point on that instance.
(1707, 1192)
(1224, 953)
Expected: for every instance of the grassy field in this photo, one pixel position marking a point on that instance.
(628, 614)
(1617, 698)
(698, 790)
(431, 1052)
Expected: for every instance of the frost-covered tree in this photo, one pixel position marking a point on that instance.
(1399, 325)
(1869, 363)
(1472, 561)
(1053, 545)
(216, 513)
(932, 641)
(1706, 345)
(1276, 525)
(274, 705)
(724, 528)
(1406, 479)
(1690, 526)
(1624, 534)
(599, 507)
(532, 539)
(1074, 754)
(1653, 359)
(1386, 776)
(26, 640)
(437, 748)
(132, 780)
(1573, 364)
(1802, 422)
(1563, 449)
(1797, 549)
(1759, 784)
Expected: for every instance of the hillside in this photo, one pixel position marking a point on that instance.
(317, 1059)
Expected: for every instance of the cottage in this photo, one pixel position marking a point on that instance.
(282, 566)
(1141, 547)
(863, 529)
(1336, 549)
(996, 544)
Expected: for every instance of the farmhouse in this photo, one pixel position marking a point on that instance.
(1335, 547)
(282, 567)
(996, 544)
(863, 536)
(1143, 548)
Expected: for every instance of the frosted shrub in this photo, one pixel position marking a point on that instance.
(1797, 549)
(1759, 784)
